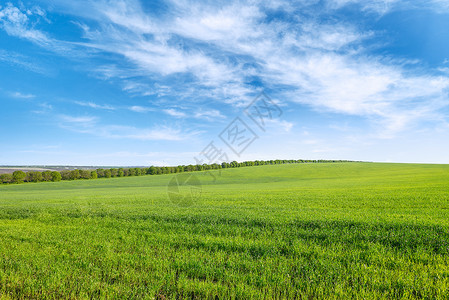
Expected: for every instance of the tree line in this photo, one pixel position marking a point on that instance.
(37, 176)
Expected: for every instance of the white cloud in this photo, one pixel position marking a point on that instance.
(92, 125)
(20, 60)
(20, 95)
(211, 114)
(386, 6)
(200, 113)
(175, 113)
(21, 23)
(284, 125)
(140, 109)
(44, 108)
(16, 23)
(379, 6)
(211, 51)
(86, 120)
(96, 106)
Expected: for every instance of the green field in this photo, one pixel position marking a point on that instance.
(307, 231)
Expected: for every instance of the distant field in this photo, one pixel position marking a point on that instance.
(6, 170)
(11, 169)
(307, 231)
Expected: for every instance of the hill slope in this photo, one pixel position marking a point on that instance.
(319, 230)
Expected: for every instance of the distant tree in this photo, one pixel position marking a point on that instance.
(126, 172)
(107, 173)
(93, 175)
(46, 176)
(120, 172)
(85, 174)
(6, 178)
(56, 176)
(65, 175)
(33, 176)
(152, 171)
(100, 173)
(74, 174)
(18, 176)
(114, 172)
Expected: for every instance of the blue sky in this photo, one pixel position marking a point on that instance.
(155, 82)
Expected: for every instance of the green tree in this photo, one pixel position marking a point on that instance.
(65, 175)
(74, 174)
(46, 175)
(100, 173)
(56, 176)
(107, 173)
(33, 176)
(93, 175)
(152, 170)
(6, 178)
(120, 172)
(18, 176)
(85, 174)
(126, 172)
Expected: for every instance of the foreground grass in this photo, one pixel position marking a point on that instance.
(352, 230)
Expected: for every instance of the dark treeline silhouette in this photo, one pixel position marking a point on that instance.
(36, 176)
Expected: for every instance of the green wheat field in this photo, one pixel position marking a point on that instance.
(300, 231)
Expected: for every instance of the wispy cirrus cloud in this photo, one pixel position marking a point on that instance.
(140, 109)
(78, 121)
(22, 22)
(175, 113)
(379, 6)
(21, 95)
(44, 108)
(17, 59)
(317, 64)
(224, 51)
(210, 115)
(95, 106)
(385, 6)
(92, 125)
(17, 23)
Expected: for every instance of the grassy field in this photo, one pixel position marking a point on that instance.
(306, 231)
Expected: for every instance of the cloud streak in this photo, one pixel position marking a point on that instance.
(20, 95)
(223, 52)
(92, 125)
(95, 106)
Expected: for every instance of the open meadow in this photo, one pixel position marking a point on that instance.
(304, 231)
